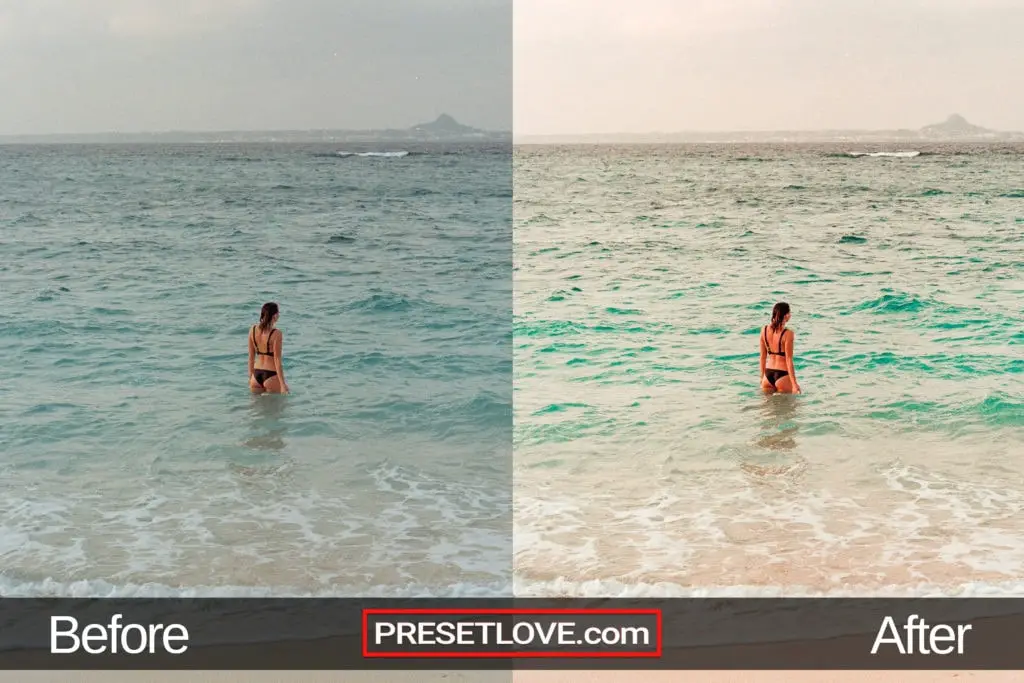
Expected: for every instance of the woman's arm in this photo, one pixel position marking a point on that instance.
(789, 361)
(278, 352)
(252, 354)
(764, 354)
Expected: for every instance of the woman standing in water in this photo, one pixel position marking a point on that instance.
(777, 372)
(265, 371)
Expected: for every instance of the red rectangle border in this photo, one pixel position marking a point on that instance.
(510, 610)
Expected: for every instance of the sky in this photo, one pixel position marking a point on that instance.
(640, 66)
(84, 66)
(549, 67)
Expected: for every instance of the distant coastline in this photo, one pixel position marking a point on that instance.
(443, 129)
(953, 129)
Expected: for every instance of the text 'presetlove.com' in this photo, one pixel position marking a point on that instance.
(510, 633)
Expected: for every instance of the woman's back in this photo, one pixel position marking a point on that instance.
(263, 340)
(775, 341)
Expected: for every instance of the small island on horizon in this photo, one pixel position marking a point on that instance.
(445, 128)
(442, 129)
(954, 129)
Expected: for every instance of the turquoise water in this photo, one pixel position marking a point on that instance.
(646, 458)
(134, 455)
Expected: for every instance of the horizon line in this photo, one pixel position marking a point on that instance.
(213, 131)
(768, 131)
(745, 131)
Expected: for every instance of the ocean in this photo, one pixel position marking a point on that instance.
(135, 462)
(647, 461)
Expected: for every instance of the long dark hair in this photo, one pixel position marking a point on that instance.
(779, 313)
(267, 314)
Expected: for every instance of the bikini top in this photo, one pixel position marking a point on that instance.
(780, 352)
(269, 337)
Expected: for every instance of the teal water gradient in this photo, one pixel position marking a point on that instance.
(133, 452)
(643, 277)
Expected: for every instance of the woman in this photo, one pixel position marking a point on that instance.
(265, 371)
(777, 372)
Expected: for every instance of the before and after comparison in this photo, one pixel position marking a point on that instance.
(474, 299)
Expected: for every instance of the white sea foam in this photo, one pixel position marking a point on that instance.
(899, 155)
(247, 528)
(867, 529)
(50, 588)
(613, 588)
(394, 155)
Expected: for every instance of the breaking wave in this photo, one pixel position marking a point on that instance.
(390, 155)
(899, 155)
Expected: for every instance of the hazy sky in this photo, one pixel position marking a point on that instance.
(603, 66)
(69, 66)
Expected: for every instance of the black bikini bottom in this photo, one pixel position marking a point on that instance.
(262, 376)
(774, 376)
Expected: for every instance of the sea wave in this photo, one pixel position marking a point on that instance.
(387, 155)
(899, 302)
(896, 155)
(98, 588)
(520, 587)
(612, 588)
(391, 302)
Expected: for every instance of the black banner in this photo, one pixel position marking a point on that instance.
(711, 633)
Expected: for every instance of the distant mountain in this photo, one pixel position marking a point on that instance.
(956, 126)
(445, 124)
(443, 129)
